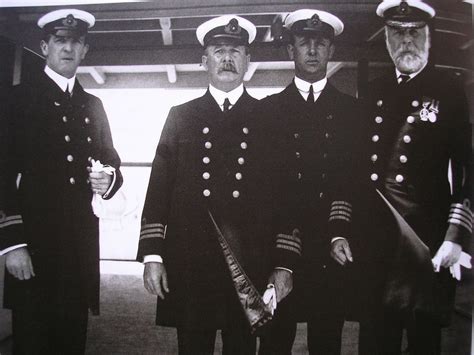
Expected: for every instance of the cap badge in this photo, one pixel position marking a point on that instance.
(70, 21)
(404, 8)
(233, 27)
(314, 21)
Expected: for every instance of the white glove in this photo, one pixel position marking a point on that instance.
(269, 297)
(455, 269)
(97, 205)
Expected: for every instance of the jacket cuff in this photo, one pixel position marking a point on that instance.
(288, 250)
(116, 183)
(152, 237)
(11, 231)
(460, 215)
(340, 218)
(458, 235)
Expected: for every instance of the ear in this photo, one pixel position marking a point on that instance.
(291, 51)
(44, 47)
(85, 50)
(247, 62)
(204, 61)
(332, 48)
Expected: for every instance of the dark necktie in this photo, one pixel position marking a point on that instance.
(68, 92)
(226, 105)
(404, 79)
(310, 98)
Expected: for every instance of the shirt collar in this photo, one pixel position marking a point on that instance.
(412, 75)
(60, 80)
(220, 96)
(303, 87)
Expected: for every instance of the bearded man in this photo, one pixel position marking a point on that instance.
(419, 134)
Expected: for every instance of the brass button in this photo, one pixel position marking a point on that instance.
(70, 158)
(245, 130)
(205, 130)
(206, 193)
(206, 176)
(374, 177)
(399, 178)
(375, 138)
(410, 119)
(67, 138)
(208, 145)
(299, 176)
(296, 135)
(379, 103)
(415, 103)
(64, 119)
(72, 181)
(206, 160)
(374, 157)
(87, 120)
(298, 155)
(89, 140)
(243, 145)
(321, 195)
(236, 194)
(407, 139)
(241, 161)
(403, 159)
(378, 119)
(238, 176)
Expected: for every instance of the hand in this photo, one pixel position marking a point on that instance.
(283, 281)
(447, 254)
(155, 279)
(341, 251)
(100, 181)
(18, 263)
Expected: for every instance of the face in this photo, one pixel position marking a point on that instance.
(64, 54)
(311, 56)
(226, 65)
(408, 47)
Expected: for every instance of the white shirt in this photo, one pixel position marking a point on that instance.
(412, 75)
(303, 87)
(220, 96)
(60, 80)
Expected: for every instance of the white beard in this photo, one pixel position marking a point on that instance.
(409, 60)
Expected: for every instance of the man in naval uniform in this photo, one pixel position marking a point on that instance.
(316, 128)
(209, 161)
(420, 149)
(50, 234)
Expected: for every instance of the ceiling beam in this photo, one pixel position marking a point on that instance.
(165, 24)
(333, 68)
(171, 72)
(250, 71)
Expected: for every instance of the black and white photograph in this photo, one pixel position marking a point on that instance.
(236, 177)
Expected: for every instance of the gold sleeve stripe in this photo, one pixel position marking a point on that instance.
(289, 237)
(289, 248)
(11, 220)
(293, 244)
(343, 203)
(148, 236)
(339, 217)
(460, 223)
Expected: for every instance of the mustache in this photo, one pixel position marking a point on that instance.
(228, 67)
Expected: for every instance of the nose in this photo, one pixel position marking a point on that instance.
(312, 47)
(67, 47)
(227, 57)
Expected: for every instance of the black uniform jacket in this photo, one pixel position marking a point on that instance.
(314, 154)
(52, 138)
(419, 133)
(208, 160)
